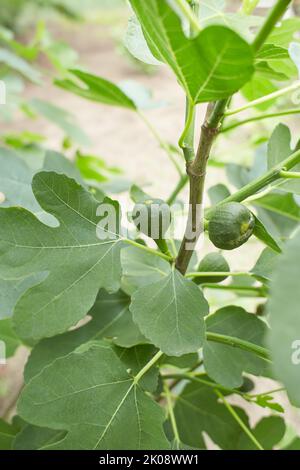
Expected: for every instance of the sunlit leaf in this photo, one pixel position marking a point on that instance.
(258, 87)
(217, 193)
(294, 51)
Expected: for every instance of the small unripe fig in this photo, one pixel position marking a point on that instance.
(213, 262)
(152, 217)
(231, 225)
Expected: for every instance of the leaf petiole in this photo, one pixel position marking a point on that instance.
(171, 413)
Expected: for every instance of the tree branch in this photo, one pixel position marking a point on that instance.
(196, 169)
